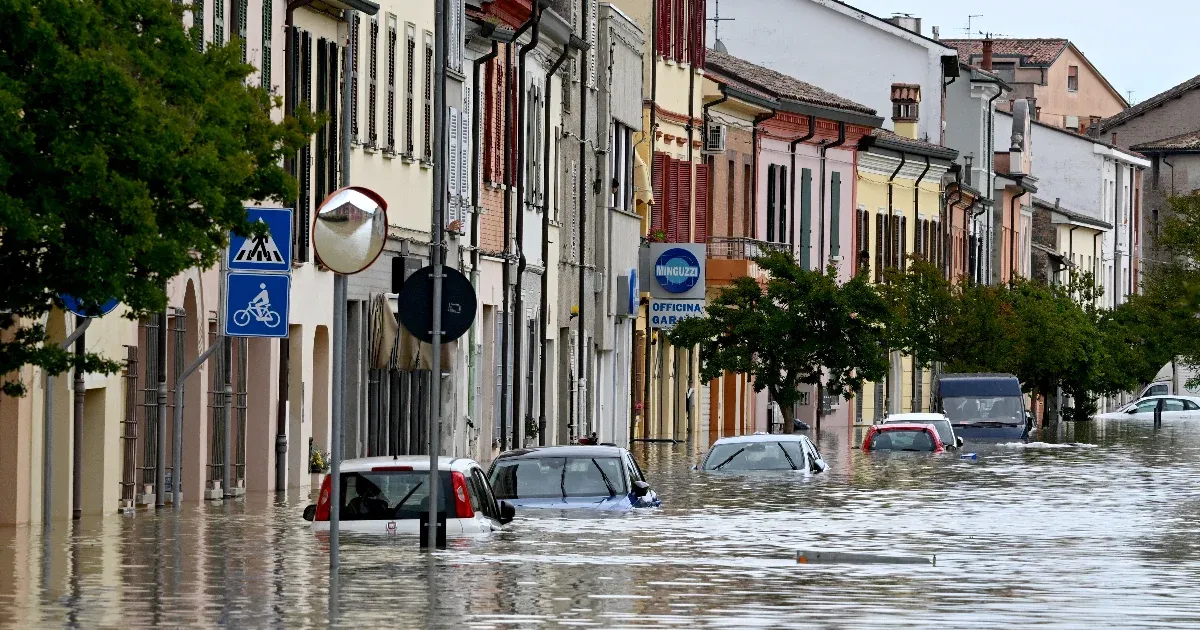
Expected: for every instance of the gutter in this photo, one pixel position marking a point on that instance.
(522, 130)
(583, 229)
(758, 120)
(476, 132)
(1012, 236)
(821, 230)
(812, 131)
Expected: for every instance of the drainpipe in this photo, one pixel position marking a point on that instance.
(948, 218)
(1095, 255)
(758, 120)
(991, 160)
(519, 304)
(653, 127)
(1071, 242)
(1012, 237)
(476, 133)
(1129, 231)
(917, 200)
(583, 204)
(841, 139)
(887, 243)
(1168, 163)
(812, 131)
(544, 307)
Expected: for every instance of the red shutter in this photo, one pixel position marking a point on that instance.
(511, 177)
(674, 197)
(658, 174)
(489, 101)
(663, 27)
(702, 186)
(683, 215)
(679, 29)
(698, 13)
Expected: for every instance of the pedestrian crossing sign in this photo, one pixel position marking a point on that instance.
(266, 252)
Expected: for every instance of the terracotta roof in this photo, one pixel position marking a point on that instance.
(917, 146)
(777, 84)
(1037, 52)
(1189, 141)
(1150, 103)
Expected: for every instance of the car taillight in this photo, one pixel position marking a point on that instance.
(323, 499)
(462, 502)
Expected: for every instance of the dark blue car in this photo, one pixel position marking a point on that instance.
(984, 407)
(604, 478)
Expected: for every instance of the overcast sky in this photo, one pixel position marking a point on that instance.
(1146, 46)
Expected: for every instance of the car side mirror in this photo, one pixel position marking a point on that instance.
(958, 442)
(640, 488)
(310, 512)
(507, 512)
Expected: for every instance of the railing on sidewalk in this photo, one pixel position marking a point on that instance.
(741, 248)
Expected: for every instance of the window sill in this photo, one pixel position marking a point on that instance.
(426, 164)
(407, 158)
(370, 147)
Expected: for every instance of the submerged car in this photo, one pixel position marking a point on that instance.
(763, 451)
(389, 495)
(939, 422)
(983, 407)
(918, 438)
(1171, 408)
(585, 477)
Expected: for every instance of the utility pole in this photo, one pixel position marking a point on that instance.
(441, 28)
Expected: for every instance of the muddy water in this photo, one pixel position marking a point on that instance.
(1095, 527)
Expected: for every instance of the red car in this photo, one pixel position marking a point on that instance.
(921, 438)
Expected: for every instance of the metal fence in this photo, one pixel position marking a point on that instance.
(741, 248)
(129, 429)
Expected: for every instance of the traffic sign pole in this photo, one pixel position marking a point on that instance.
(439, 228)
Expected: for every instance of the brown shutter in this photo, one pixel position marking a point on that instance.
(683, 214)
(902, 239)
(658, 174)
(702, 191)
(879, 230)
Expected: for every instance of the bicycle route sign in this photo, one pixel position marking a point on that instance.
(258, 283)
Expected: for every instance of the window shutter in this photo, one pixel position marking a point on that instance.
(322, 136)
(198, 24)
(784, 237)
(334, 59)
(880, 228)
(663, 27)
(699, 23)
(464, 140)
(304, 210)
(684, 232)
(357, 37)
(268, 14)
(373, 82)
(805, 218)
(674, 200)
(410, 82)
(658, 174)
(679, 30)
(428, 128)
(390, 123)
(593, 21)
(902, 243)
(488, 100)
(835, 215)
(919, 238)
(771, 188)
(453, 162)
(702, 195)
(219, 22)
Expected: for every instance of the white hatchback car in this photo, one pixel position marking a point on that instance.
(389, 495)
(1171, 407)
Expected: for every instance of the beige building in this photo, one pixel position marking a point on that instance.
(1063, 88)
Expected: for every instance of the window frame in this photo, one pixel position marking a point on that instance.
(1072, 78)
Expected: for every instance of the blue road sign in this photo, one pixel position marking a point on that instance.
(256, 304)
(270, 252)
(75, 306)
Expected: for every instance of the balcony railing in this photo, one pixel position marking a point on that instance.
(742, 248)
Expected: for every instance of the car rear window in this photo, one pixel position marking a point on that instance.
(903, 440)
(737, 456)
(549, 477)
(391, 495)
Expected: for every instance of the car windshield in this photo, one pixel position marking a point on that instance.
(549, 477)
(1140, 406)
(740, 456)
(391, 495)
(985, 410)
(903, 440)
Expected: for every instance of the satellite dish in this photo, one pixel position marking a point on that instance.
(350, 229)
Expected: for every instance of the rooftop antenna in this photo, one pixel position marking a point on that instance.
(968, 29)
(716, 19)
(1129, 96)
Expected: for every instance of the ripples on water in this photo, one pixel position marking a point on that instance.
(1101, 532)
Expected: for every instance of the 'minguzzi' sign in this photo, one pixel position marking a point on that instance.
(674, 270)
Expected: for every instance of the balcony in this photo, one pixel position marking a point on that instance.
(732, 257)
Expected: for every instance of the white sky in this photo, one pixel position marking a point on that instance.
(1146, 46)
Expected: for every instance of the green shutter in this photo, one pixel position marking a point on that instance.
(835, 210)
(805, 217)
(770, 203)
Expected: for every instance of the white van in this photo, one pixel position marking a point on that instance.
(1172, 379)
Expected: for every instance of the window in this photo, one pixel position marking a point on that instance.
(1190, 406)
(730, 196)
(355, 35)
(390, 123)
(805, 218)
(835, 215)
(747, 199)
(1171, 404)
(593, 20)
(454, 60)
(410, 71)
(783, 207)
(1072, 78)
(703, 192)
(373, 82)
(219, 23)
(240, 9)
(621, 167)
(428, 129)
(771, 168)
(268, 12)
(198, 23)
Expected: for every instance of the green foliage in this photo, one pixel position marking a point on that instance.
(125, 158)
(922, 304)
(801, 327)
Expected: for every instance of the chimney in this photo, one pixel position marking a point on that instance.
(987, 54)
(907, 22)
(937, 34)
(906, 109)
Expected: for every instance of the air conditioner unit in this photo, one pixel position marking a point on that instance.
(714, 138)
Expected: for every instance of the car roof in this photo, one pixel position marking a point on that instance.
(761, 437)
(902, 426)
(574, 450)
(416, 462)
(914, 417)
(1195, 399)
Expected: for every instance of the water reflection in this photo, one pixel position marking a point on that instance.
(1049, 533)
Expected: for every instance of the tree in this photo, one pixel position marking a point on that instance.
(802, 327)
(922, 304)
(125, 158)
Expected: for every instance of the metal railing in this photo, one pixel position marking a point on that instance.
(742, 248)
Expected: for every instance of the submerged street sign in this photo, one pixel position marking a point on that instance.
(256, 304)
(265, 252)
(666, 313)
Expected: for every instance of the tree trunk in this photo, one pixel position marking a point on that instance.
(789, 418)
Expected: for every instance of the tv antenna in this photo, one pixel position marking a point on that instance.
(1129, 96)
(967, 30)
(716, 19)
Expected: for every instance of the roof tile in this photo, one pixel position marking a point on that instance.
(1038, 52)
(741, 72)
(1182, 142)
(1150, 103)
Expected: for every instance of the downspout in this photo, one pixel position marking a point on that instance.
(758, 120)
(1071, 242)
(812, 131)
(653, 128)
(519, 304)
(1096, 257)
(1168, 163)
(1012, 237)
(991, 158)
(544, 307)
(583, 203)
(506, 315)
(477, 134)
(1129, 231)
(948, 221)
(841, 139)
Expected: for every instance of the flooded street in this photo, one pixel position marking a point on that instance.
(1097, 533)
